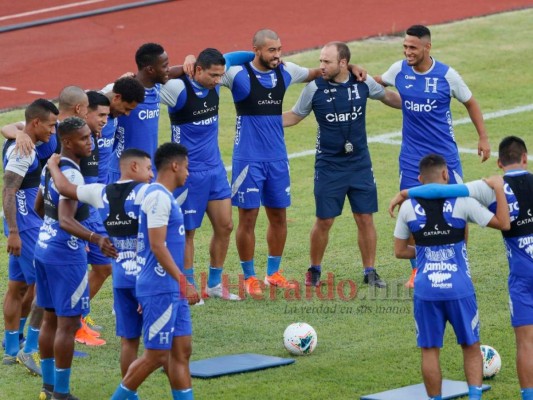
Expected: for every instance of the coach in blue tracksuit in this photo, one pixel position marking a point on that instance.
(343, 166)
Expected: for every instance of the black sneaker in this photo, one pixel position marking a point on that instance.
(67, 396)
(312, 278)
(373, 279)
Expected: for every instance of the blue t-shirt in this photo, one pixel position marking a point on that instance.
(261, 137)
(54, 244)
(427, 118)
(140, 129)
(105, 147)
(159, 208)
(125, 268)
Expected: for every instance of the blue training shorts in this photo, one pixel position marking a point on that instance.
(521, 300)
(260, 183)
(129, 320)
(431, 318)
(63, 288)
(21, 268)
(332, 187)
(200, 188)
(409, 172)
(164, 317)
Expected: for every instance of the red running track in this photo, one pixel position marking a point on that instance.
(93, 51)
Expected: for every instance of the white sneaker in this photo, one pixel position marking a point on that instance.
(217, 292)
(200, 303)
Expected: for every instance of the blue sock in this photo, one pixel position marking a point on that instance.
(527, 393)
(48, 368)
(22, 325)
(123, 393)
(185, 394)
(215, 276)
(189, 274)
(369, 269)
(315, 268)
(62, 382)
(474, 392)
(413, 262)
(32, 340)
(273, 263)
(248, 268)
(12, 342)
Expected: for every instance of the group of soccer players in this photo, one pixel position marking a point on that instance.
(97, 194)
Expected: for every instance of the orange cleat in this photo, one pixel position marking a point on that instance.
(276, 279)
(253, 287)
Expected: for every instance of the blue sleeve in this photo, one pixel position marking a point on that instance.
(238, 58)
(439, 191)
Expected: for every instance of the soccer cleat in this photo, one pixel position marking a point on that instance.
(276, 279)
(45, 394)
(31, 361)
(312, 278)
(87, 329)
(219, 293)
(91, 324)
(373, 279)
(68, 396)
(82, 336)
(253, 287)
(9, 360)
(410, 284)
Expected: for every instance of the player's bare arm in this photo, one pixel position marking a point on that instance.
(501, 219)
(474, 111)
(12, 182)
(39, 204)
(290, 118)
(15, 131)
(392, 99)
(397, 201)
(157, 237)
(402, 249)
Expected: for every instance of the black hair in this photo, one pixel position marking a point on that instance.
(169, 152)
(133, 153)
(130, 89)
(97, 99)
(40, 108)
(419, 31)
(148, 54)
(209, 57)
(431, 163)
(511, 150)
(69, 126)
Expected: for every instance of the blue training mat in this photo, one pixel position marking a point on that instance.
(234, 364)
(450, 390)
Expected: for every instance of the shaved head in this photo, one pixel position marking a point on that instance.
(262, 35)
(70, 96)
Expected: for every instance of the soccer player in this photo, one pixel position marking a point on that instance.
(140, 129)
(426, 87)
(61, 262)
(124, 95)
(443, 288)
(193, 110)
(512, 159)
(260, 166)
(21, 225)
(343, 166)
(163, 291)
(118, 205)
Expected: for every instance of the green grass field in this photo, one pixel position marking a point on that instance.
(366, 344)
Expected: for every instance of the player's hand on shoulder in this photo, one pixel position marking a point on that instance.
(495, 181)
(23, 144)
(359, 72)
(188, 65)
(396, 201)
(53, 161)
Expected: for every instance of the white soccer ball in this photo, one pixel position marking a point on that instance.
(300, 338)
(492, 362)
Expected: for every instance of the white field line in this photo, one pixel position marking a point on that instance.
(49, 9)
